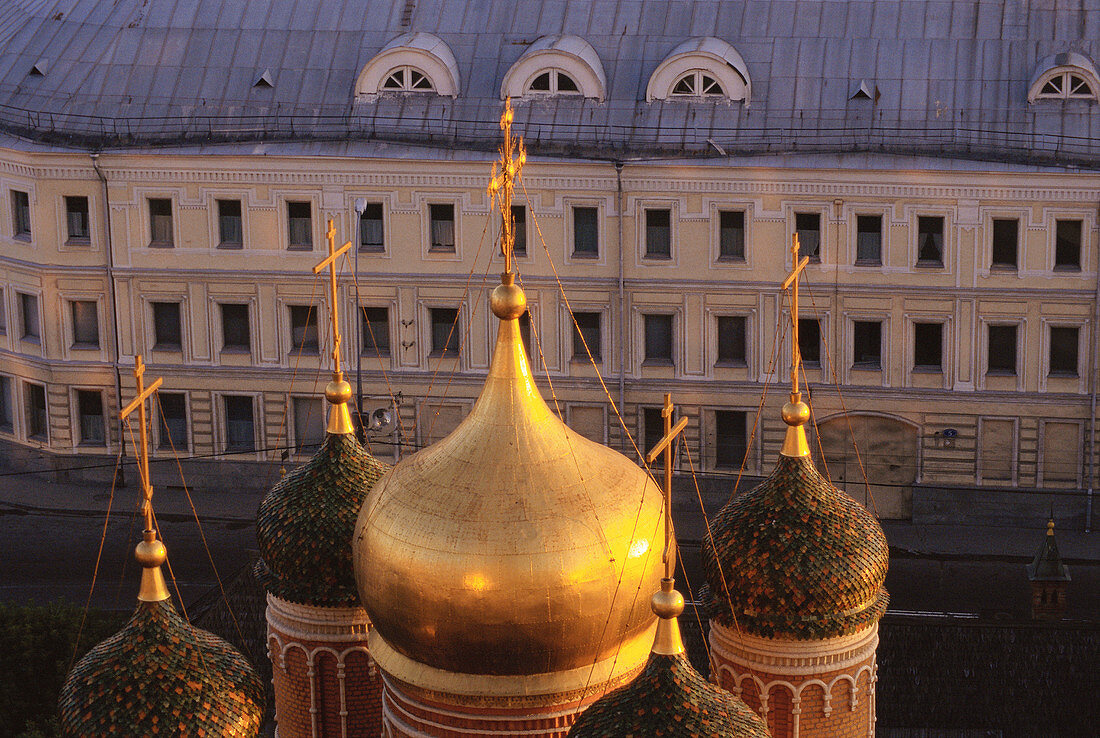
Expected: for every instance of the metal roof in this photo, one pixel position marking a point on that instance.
(952, 76)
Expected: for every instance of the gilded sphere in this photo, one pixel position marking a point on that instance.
(151, 553)
(514, 546)
(508, 301)
(796, 413)
(338, 393)
(668, 603)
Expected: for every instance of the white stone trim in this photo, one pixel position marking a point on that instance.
(789, 657)
(324, 624)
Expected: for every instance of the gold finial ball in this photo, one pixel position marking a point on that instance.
(668, 603)
(151, 554)
(338, 393)
(508, 301)
(796, 413)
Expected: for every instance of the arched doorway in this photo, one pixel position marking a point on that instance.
(888, 448)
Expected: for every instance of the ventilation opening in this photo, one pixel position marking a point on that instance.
(265, 81)
(39, 69)
(865, 91)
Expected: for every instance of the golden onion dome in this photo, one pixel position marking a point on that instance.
(512, 547)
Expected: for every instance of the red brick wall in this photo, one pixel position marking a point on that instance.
(362, 690)
(841, 720)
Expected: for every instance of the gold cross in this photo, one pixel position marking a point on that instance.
(138, 403)
(513, 155)
(791, 282)
(330, 262)
(664, 446)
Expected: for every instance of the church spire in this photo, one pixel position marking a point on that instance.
(150, 553)
(796, 412)
(338, 391)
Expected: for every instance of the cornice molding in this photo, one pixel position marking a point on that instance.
(323, 624)
(793, 658)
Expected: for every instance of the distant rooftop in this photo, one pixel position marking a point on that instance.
(899, 76)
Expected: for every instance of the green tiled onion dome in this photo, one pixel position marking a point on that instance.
(306, 522)
(669, 698)
(801, 559)
(160, 676)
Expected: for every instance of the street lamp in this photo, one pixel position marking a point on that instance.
(360, 207)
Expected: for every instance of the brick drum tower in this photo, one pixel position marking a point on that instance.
(795, 573)
(325, 680)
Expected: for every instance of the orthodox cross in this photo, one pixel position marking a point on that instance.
(664, 446)
(330, 262)
(791, 282)
(138, 403)
(513, 155)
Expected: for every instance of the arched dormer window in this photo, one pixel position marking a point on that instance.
(556, 65)
(413, 62)
(701, 68)
(1066, 76)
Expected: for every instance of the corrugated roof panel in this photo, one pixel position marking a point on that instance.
(704, 17)
(807, 20)
(884, 23)
(952, 20)
(628, 18)
(990, 17)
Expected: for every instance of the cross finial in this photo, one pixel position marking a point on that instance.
(513, 156)
(338, 392)
(150, 552)
(664, 446)
(795, 412)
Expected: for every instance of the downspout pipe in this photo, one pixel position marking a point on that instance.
(1093, 370)
(622, 295)
(116, 340)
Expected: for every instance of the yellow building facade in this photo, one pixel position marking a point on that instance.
(680, 261)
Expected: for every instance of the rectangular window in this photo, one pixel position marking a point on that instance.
(731, 235)
(21, 215)
(1005, 238)
(160, 223)
(1067, 245)
(653, 429)
(869, 240)
(445, 331)
(371, 236)
(230, 227)
(658, 339)
(240, 424)
(32, 331)
(1001, 358)
(586, 232)
(658, 234)
(303, 329)
(1061, 453)
(7, 417)
(236, 332)
(731, 438)
(76, 219)
(519, 221)
(85, 324)
(525, 335)
(586, 331)
(442, 227)
(172, 409)
(867, 344)
(376, 331)
(928, 346)
(167, 331)
(89, 405)
(809, 341)
(36, 423)
(309, 423)
(3, 314)
(299, 224)
(930, 240)
(997, 449)
(731, 340)
(808, 227)
(1063, 351)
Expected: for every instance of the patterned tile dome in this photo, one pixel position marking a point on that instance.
(800, 558)
(306, 522)
(669, 698)
(160, 676)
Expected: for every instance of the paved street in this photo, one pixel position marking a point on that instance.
(50, 534)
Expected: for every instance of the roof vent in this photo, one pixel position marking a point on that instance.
(39, 68)
(865, 91)
(265, 80)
